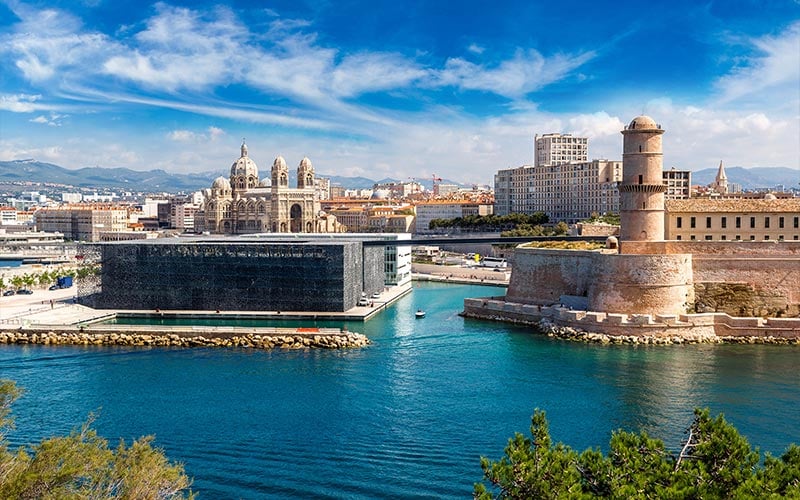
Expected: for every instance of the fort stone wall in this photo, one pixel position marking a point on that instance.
(655, 284)
(542, 276)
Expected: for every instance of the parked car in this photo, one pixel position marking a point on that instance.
(8, 292)
(24, 291)
(54, 287)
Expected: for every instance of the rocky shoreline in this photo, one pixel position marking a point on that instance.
(341, 340)
(552, 330)
(568, 333)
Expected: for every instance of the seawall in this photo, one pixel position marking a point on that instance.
(119, 335)
(603, 327)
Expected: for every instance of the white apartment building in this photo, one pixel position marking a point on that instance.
(679, 184)
(555, 149)
(567, 192)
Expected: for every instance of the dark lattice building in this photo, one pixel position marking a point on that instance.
(236, 275)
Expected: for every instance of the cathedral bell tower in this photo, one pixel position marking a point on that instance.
(305, 174)
(642, 189)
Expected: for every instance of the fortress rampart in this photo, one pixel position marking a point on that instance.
(611, 282)
(646, 328)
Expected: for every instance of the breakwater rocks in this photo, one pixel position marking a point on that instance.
(573, 334)
(296, 340)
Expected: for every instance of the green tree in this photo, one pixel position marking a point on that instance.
(82, 465)
(715, 462)
(17, 281)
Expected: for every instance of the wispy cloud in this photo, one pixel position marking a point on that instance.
(20, 103)
(775, 63)
(526, 72)
(211, 134)
(186, 49)
(52, 120)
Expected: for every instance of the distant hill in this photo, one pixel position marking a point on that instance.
(148, 181)
(752, 178)
(97, 177)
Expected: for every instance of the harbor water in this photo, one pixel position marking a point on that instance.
(409, 416)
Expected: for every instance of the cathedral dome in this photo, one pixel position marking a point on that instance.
(279, 163)
(305, 163)
(244, 166)
(264, 183)
(643, 122)
(221, 183)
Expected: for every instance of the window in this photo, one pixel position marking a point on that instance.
(780, 222)
(766, 222)
(766, 237)
(738, 222)
(723, 238)
(708, 222)
(692, 222)
(692, 238)
(752, 238)
(738, 237)
(752, 222)
(679, 222)
(678, 237)
(724, 222)
(780, 237)
(796, 222)
(640, 179)
(708, 237)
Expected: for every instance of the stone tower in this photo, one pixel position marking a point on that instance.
(641, 194)
(720, 184)
(305, 174)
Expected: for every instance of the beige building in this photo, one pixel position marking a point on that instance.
(555, 149)
(82, 222)
(567, 192)
(447, 209)
(243, 204)
(712, 219)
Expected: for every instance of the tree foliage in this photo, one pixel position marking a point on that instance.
(489, 223)
(83, 466)
(606, 218)
(715, 462)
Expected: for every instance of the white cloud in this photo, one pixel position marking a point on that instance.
(476, 49)
(20, 103)
(369, 72)
(46, 42)
(53, 119)
(211, 134)
(776, 65)
(526, 72)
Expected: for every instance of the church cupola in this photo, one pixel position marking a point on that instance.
(280, 173)
(305, 174)
(244, 172)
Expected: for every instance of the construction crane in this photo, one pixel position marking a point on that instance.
(435, 180)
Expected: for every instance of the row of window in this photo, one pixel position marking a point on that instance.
(723, 222)
(738, 237)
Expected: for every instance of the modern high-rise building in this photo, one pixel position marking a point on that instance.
(555, 149)
(679, 184)
(567, 192)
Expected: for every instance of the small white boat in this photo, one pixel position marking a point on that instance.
(419, 314)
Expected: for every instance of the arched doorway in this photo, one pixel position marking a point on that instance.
(296, 218)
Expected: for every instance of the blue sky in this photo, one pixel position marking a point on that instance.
(394, 89)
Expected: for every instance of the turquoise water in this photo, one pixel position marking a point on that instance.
(408, 416)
